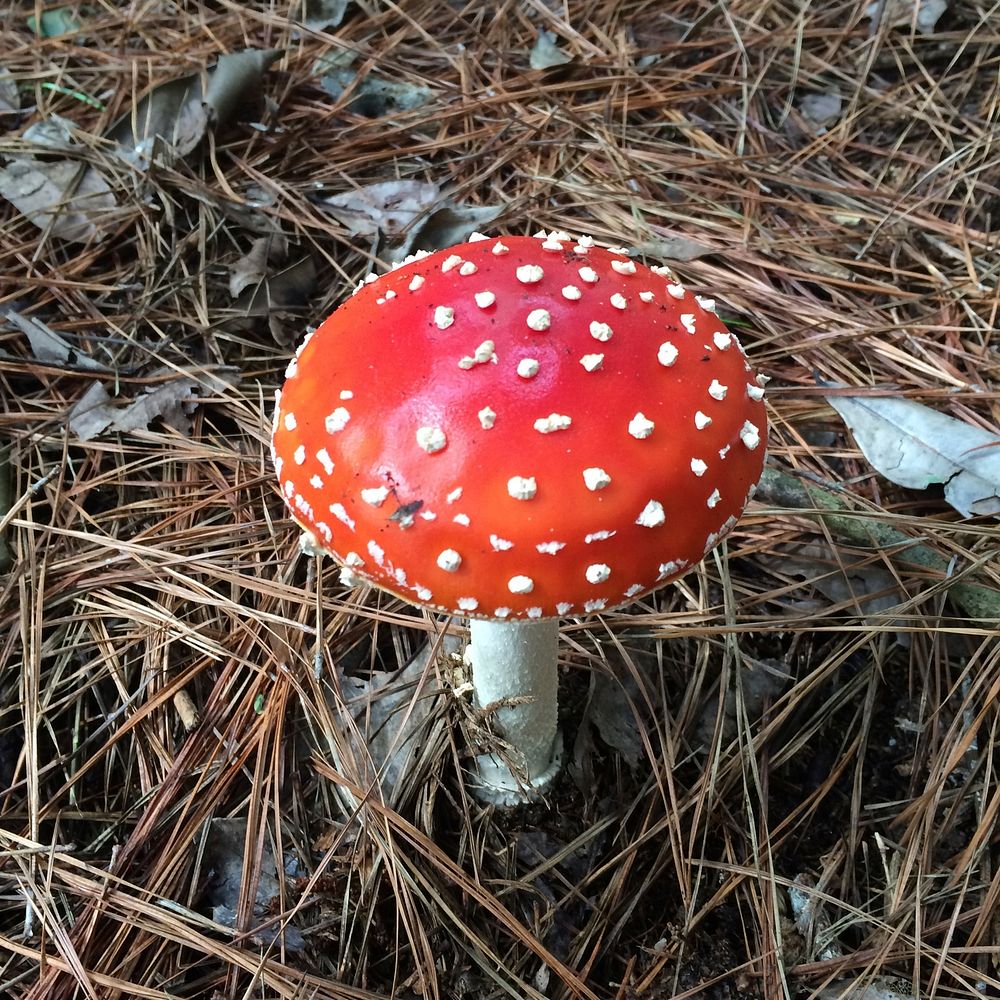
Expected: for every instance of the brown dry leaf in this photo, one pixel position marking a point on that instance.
(47, 345)
(69, 199)
(10, 99)
(546, 53)
(251, 268)
(180, 111)
(443, 227)
(173, 402)
(675, 248)
(388, 206)
(288, 289)
(319, 15)
(921, 14)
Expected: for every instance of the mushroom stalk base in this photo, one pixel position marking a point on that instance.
(517, 662)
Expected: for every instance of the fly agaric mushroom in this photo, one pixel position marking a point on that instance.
(515, 430)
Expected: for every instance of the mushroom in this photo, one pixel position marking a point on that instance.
(514, 430)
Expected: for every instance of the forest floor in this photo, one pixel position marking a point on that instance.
(782, 773)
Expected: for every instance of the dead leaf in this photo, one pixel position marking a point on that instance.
(821, 109)
(546, 53)
(10, 97)
(395, 714)
(71, 200)
(172, 402)
(675, 248)
(278, 295)
(443, 227)
(179, 112)
(47, 345)
(225, 856)
(388, 206)
(921, 14)
(759, 683)
(318, 15)
(374, 96)
(612, 710)
(865, 590)
(881, 988)
(914, 446)
(251, 269)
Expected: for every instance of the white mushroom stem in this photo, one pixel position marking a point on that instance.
(517, 662)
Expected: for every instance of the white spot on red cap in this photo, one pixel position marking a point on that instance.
(550, 548)
(588, 274)
(646, 296)
(553, 422)
(714, 499)
(717, 390)
(346, 394)
(462, 519)
(454, 495)
(292, 368)
(667, 354)
(596, 478)
(340, 513)
(487, 418)
(431, 439)
(289, 489)
(723, 341)
(698, 467)
(600, 331)
(598, 536)
(451, 262)
(324, 459)
(527, 367)
(520, 585)
(551, 244)
(484, 299)
(676, 290)
(571, 292)
(706, 303)
(467, 268)
(500, 544)
(701, 420)
(485, 352)
(337, 420)
(467, 604)
(375, 495)
(623, 266)
(499, 248)
(539, 320)
(449, 560)
(299, 455)
(687, 321)
(585, 242)
(290, 422)
(618, 300)
(592, 362)
(652, 515)
(634, 590)
(640, 426)
(353, 560)
(522, 487)
(596, 605)
(724, 451)
(529, 274)
(477, 237)
(598, 572)
(563, 608)
(444, 316)
(671, 568)
(376, 552)
(755, 392)
(750, 435)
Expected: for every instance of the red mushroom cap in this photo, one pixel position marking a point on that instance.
(520, 427)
